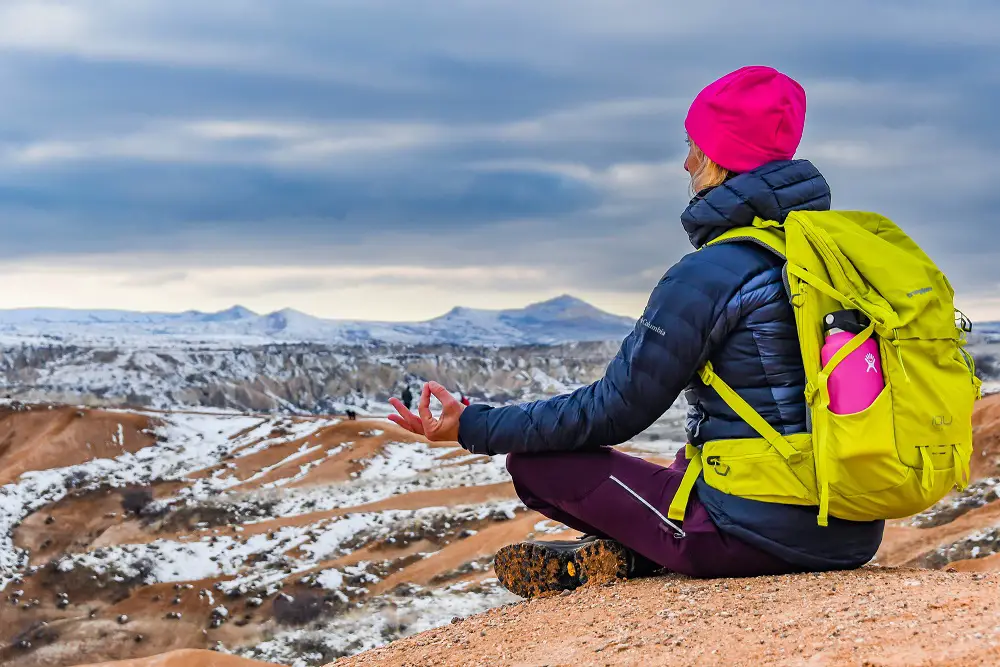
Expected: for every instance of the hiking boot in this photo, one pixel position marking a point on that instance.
(532, 568)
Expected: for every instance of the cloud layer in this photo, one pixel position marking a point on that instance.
(375, 158)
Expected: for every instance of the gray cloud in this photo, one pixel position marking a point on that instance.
(155, 279)
(468, 133)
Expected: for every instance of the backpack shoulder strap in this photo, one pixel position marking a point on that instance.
(764, 233)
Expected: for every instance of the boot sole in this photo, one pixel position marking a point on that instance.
(531, 569)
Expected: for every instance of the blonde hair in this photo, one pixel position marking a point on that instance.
(708, 174)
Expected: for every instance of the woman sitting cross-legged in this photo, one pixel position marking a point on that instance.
(725, 304)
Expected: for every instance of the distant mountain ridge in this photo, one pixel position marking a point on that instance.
(560, 320)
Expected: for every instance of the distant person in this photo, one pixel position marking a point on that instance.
(407, 398)
(726, 304)
(351, 414)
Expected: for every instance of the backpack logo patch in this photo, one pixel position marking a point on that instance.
(941, 421)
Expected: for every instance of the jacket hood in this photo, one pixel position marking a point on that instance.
(769, 192)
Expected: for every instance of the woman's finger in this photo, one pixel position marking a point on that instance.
(411, 424)
(441, 394)
(424, 407)
(400, 421)
(404, 411)
(414, 421)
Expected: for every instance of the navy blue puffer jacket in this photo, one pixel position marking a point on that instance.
(726, 304)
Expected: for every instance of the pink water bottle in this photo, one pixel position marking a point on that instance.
(857, 380)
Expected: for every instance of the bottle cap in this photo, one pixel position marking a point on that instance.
(853, 321)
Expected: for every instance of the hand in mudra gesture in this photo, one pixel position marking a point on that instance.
(435, 429)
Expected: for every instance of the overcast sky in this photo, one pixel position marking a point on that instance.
(390, 159)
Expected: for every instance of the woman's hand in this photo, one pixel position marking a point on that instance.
(444, 428)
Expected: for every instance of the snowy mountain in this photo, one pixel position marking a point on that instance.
(560, 320)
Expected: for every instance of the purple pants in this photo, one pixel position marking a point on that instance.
(587, 492)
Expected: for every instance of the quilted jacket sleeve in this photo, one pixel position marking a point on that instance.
(654, 364)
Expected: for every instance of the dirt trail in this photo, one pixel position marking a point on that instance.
(873, 616)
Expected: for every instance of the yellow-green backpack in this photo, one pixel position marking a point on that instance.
(910, 447)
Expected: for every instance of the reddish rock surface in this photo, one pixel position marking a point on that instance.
(874, 616)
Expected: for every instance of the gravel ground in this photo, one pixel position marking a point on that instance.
(870, 617)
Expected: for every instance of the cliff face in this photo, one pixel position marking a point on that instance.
(305, 378)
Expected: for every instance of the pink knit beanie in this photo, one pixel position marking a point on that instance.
(748, 118)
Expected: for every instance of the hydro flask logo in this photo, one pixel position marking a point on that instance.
(870, 360)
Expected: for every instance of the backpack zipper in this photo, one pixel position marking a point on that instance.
(678, 533)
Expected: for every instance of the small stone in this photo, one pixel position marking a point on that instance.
(123, 619)
(138, 639)
(566, 592)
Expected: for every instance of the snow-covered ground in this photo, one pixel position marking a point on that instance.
(377, 624)
(170, 561)
(309, 528)
(191, 442)
(254, 564)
